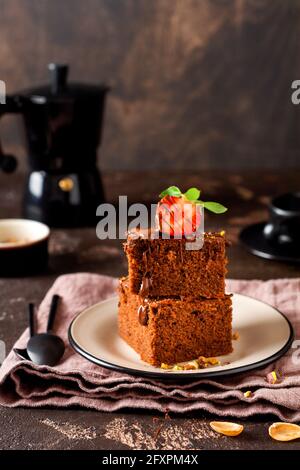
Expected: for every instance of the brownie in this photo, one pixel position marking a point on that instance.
(172, 330)
(164, 267)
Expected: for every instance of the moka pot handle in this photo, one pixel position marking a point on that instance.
(13, 104)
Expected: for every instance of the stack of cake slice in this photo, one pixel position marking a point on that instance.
(173, 306)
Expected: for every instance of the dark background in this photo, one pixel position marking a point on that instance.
(197, 84)
(201, 97)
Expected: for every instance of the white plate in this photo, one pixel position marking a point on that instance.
(265, 335)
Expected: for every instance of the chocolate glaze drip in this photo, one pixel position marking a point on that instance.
(145, 286)
(181, 252)
(143, 314)
(145, 260)
(146, 281)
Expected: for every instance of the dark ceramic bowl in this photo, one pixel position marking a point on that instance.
(23, 247)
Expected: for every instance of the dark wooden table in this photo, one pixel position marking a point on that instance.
(74, 250)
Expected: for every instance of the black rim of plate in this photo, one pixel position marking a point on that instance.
(190, 375)
(257, 251)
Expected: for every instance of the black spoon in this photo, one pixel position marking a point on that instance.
(22, 353)
(44, 348)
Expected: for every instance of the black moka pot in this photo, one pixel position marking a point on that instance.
(63, 124)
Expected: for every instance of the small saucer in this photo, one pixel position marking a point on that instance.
(253, 239)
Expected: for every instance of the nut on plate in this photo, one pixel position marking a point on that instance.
(226, 428)
(177, 367)
(165, 366)
(284, 431)
(272, 377)
(208, 361)
(192, 365)
(200, 363)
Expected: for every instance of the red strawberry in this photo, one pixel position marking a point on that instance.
(177, 216)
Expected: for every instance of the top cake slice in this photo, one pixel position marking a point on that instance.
(164, 268)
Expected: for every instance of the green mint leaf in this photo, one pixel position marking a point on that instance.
(171, 191)
(214, 207)
(192, 194)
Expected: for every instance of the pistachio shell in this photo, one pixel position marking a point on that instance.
(284, 431)
(226, 428)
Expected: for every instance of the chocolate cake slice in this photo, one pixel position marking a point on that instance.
(172, 330)
(165, 268)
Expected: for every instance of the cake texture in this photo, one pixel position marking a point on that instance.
(172, 330)
(165, 268)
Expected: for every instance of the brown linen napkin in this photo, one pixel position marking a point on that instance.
(75, 381)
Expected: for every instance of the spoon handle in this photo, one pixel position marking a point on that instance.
(52, 313)
(31, 318)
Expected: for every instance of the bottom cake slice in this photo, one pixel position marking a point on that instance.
(172, 330)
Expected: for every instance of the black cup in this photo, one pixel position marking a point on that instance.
(23, 247)
(283, 229)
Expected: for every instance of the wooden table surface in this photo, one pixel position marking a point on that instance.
(74, 250)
